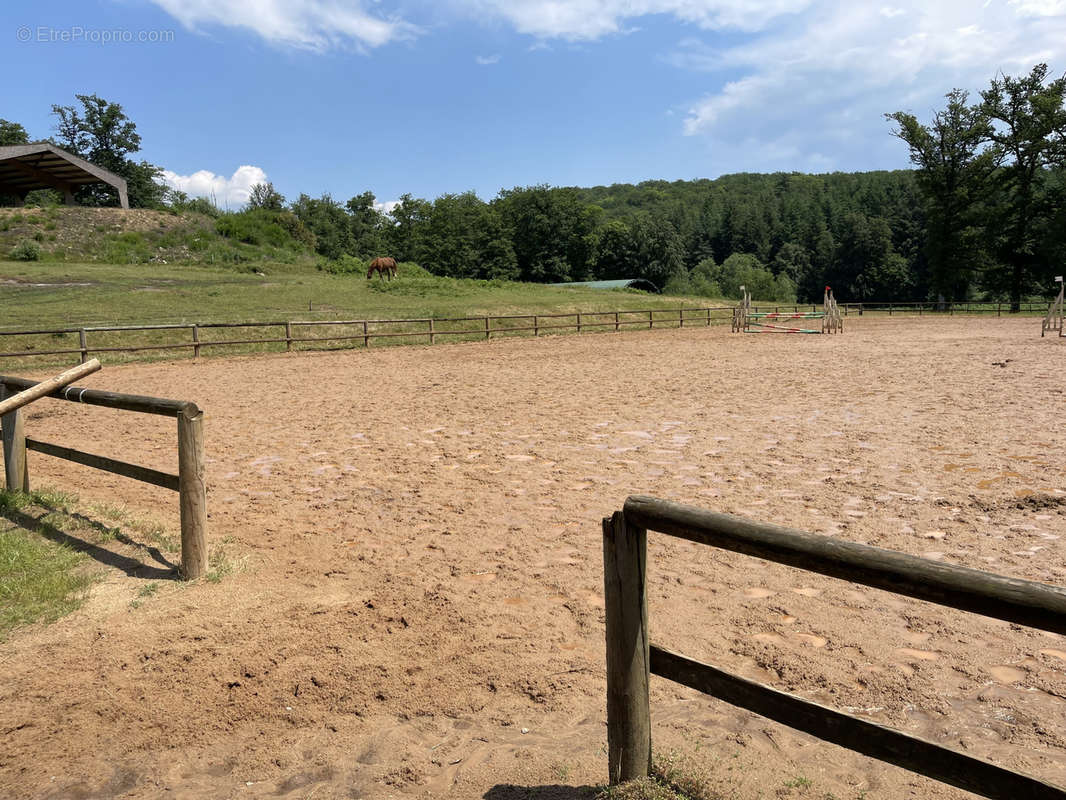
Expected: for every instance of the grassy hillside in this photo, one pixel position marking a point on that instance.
(141, 236)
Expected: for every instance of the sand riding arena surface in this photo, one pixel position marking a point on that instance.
(419, 608)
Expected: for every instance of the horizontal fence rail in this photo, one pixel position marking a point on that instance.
(632, 658)
(189, 481)
(345, 332)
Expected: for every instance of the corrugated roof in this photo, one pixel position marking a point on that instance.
(624, 283)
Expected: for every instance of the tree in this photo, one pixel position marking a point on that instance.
(101, 133)
(265, 196)
(12, 133)
(955, 167)
(463, 237)
(613, 252)
(1029, 137)
(408, 217)
(326, 219)
(367, 225)
(550, 231)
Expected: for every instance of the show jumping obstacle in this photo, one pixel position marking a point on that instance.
(189, 483)
(747, 321)
(1053, 321)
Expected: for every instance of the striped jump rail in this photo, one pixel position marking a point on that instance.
(776, 329)
(784, 315)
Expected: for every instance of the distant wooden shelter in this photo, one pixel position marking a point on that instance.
(624, 283)
(25, 167)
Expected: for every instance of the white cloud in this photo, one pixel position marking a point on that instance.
(487, 60)
(591, 19)
(386, 206)
(230, 192)
(823, 81)
(308, 24)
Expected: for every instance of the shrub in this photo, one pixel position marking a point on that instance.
(26, 250)
(43, 198)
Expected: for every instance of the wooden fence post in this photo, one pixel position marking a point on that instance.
(681, 317)
(84, 347)
(536, 325)
(651, 321)
(579, 322)
(366, 335)
(16, 469)
(488, 333)
(432, 336)
(192, 495)
(628, 664)
(616, 321)
(195, 341)
(288, 337)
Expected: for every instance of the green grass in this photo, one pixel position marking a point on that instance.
(40, 580)
(52, 547)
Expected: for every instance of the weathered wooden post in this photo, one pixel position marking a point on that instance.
(82, 344)
(192, 494)
(628, 663)
(681, 317)
(366, 335)
(651, 321)
(16, 469)
(536, 325)
(579, 322)
(616, 321)
(288, 337)
(488, 332)
(432, 336)
(195, 341)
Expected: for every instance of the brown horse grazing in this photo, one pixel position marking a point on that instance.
(385, 267)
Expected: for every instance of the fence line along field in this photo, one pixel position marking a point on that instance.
(420, 608)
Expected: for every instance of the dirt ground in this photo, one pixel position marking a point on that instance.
(419, 605)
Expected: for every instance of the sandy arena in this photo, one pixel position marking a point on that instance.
(420, 605)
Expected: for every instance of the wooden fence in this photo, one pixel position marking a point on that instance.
(201, 336)
(362, 332)
(631, 658)
(188, 482)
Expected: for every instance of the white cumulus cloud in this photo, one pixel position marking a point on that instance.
(386, 206)
(591, 19)
(309, 24)
(821, 83)
(230, 192)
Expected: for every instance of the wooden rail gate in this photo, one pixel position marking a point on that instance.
(631, 658)
(188, 483)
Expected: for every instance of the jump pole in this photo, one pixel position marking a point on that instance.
(1053, 321)
(26, 396)
(16, 468)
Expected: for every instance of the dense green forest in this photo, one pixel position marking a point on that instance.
(982, 215)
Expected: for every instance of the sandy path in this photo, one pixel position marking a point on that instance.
(421, 609)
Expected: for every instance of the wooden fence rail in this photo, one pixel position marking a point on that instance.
(286, 332)
(189, 481)
(632, 658)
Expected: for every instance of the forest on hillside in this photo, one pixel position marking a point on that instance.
(981, 216)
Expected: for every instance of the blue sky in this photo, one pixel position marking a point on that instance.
(345, 96)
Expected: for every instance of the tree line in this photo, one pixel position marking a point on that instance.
(981, 215)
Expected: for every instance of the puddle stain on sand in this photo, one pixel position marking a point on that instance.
(1006, 674)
